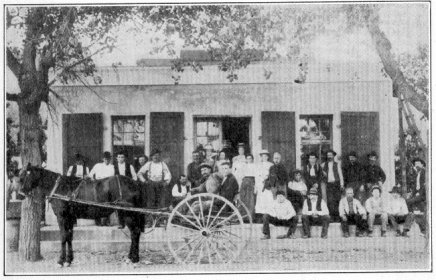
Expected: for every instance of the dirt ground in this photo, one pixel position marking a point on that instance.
(298, 255)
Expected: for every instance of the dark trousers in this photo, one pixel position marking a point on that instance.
(176, 200)
(297, 199)
(354, 219)
(291, 223)
(421, 220)
(309, 221)
(334, 194)
(156, 192)
(407, 220)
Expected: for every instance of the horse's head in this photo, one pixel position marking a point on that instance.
(30, 178)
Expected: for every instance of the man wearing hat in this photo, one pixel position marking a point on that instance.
(193, 170)
(78, 169)
(398, 212)
(417, 202)
(351, 212)
(238, 163)
(158, 177)
(280, 213)
(315, 211)
(312, 174)
(354, 176)
(100, 171)
(332, 173)
(374, 174)
(209, 183)
(376, 206)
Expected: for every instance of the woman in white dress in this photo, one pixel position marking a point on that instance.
(238, 164)
(264, 197)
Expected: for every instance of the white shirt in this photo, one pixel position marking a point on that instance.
(79, 171)
(312, 171)
(122, 170)
(297, 186)
(418, 179)
(175, 192)
(397, 206)
(282, 211)
(250, 170)
(331, 175)
(102, 170)
(324, 209)
(155, 171)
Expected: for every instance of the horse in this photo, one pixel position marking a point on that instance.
(119, 190)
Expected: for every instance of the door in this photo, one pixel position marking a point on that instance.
(278, 135)
(360, 133)
(82, 133)
(167, 135)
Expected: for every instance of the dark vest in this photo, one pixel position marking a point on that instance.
(179, 187)
(74, 171)
(318, 204)
(128, 173)
(335, 171)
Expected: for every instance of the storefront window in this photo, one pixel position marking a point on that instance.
(315, 134)
(128, 134)
(208, 131)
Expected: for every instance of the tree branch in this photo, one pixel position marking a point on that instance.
(13, 63)
(12, 97)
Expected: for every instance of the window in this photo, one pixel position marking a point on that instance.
(128, 134)
(315, 134)
(208, 131)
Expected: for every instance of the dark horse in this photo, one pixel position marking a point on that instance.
(118, 190)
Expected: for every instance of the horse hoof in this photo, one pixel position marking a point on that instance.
(68, 264)
(59, 265)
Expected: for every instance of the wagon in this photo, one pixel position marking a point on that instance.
(202, 228)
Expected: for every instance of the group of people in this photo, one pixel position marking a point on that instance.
(317, 194)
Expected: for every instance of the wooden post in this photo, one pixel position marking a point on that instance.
(402, 148)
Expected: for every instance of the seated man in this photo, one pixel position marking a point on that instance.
(399, 213)
(280, 213)
(297, 191)
(180, 190)
(209, 183)
(351, 211)
(416, 200)
(315, 211)
(376, 207)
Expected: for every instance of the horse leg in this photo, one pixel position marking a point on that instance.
(61, 222)
(69, 239)
(135, 233)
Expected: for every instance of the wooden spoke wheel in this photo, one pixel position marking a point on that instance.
(207, 228)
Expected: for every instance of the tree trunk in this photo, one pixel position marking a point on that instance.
(31, 209)
(402, 148)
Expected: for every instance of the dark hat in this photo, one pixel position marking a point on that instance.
(331, 151)
(280, 193)
(205, 165)
(418, 159)
(122, 152)
(352, 154)
(372, 154)
(312, 154)
(396, 190)
(297, 171)
(107, 155)
(241, 145)
(313, 191)
(376, 187)
(155, 151)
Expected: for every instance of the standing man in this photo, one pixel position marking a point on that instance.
(374, 174)
(399, 213)
(278, 176)
(79, 169)
(332, 173)
(124, 169)
(238, 163)
(312, 174)
(158, 177)
(315, 211)
(417, 202)
(376, 206)
(100, 171)
(352, 212)
(142, 160)
(354, 176)
(229, 188)
(193, 170)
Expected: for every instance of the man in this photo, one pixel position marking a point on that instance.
(78, 169)
(100, 171)
(193, 170)
(180, 190)
(238, 163)
(374, 175)
(312, 174)
(417, 202)
(376, 206)
(278, 176)
(281, 213)
(315, 211)
(354, 176)
(158, 177)
(351, 212)
(142, 160)
(229, 186)
(399, 213)
(332, 173)
(209, 157)
(124, 169)
(209, 182)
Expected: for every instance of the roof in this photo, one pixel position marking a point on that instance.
(253, 73)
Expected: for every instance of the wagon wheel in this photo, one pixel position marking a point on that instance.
(198, 233)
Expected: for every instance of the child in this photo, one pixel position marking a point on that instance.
(297, 191)
(180, 190)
